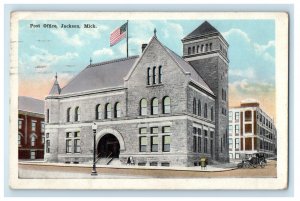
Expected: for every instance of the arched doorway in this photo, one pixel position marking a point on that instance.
(108, 146)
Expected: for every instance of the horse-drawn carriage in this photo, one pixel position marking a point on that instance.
(257, 159)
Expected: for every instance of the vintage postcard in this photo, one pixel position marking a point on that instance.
(149, 100)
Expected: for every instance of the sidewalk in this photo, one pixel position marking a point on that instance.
(209, 168)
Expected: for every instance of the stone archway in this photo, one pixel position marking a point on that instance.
(109, 141)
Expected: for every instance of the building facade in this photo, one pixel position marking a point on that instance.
(251, 130)
(31, 128)
(155, 109)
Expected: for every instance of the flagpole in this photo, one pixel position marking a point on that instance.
(127, 39)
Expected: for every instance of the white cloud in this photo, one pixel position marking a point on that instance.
(73, 40)
(103, 52)
(246, 87)
(239, 32)
(174, 28)
(260, 49)
(243, 73)
(43, 57)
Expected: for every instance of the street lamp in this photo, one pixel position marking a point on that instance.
(94, 171)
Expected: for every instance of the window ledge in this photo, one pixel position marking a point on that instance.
(154, 85)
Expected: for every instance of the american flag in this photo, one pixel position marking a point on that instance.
(118, 34)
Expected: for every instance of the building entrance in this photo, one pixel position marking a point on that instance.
(108, 146)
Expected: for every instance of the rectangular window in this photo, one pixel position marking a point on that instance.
(68, 146)
(230, 143)
(194, 130)
(237, 156)
(230, 129)
(153, 163)
(248, 128)
(230, 116)
(20, 124)
(48, 146)
(205, 133)
(205, 145)
(47, 135)
(43, 139)
(248, 116)
(165, 164)
(19, 139)
(48, 116)
(166, 129)
(230, 156)
(237, 116)
(42, 127)
(32, 155)
(154, 130)
(77, 134)
(33, 125)
(154, 144)
(211, 134)
(166, 143)
(237, 143)
(33, 141)
(77, 148)
(199, 144)
(143, 130)
(237, 129)
(143, 144)
(68, 135)
(194, 143)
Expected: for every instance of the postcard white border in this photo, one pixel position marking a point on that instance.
(281, 38)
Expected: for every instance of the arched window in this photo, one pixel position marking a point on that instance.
(143, 107)
(108, 111)
(68, 114)
(117, 110)
(210, 46)
(154, 106)
(194, 106)
(206, 47)
(159, 74)
(193, 49)
(189, 50)
(212, 113)
(166, 105)
(32, 142)
(202, 48)
(98, 112)
(154, 75)
(199, 107)
(205, 110)
(77, 114)
(148, 75)
(198, 48)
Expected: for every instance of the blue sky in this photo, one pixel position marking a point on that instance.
(44, 51)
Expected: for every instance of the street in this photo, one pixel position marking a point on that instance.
(40, 171)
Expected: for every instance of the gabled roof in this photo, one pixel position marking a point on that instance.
(102, 75)
(204, 29)
(189, 69)
(28, 104)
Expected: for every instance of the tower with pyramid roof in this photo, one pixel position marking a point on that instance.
(206, 50)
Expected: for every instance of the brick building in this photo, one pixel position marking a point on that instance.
(158, 108)
(251, 130)
(31, 128)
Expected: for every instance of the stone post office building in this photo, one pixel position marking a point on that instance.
(159, 109)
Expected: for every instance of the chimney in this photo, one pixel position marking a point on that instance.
(143, 47)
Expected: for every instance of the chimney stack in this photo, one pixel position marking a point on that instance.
(143, 47)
